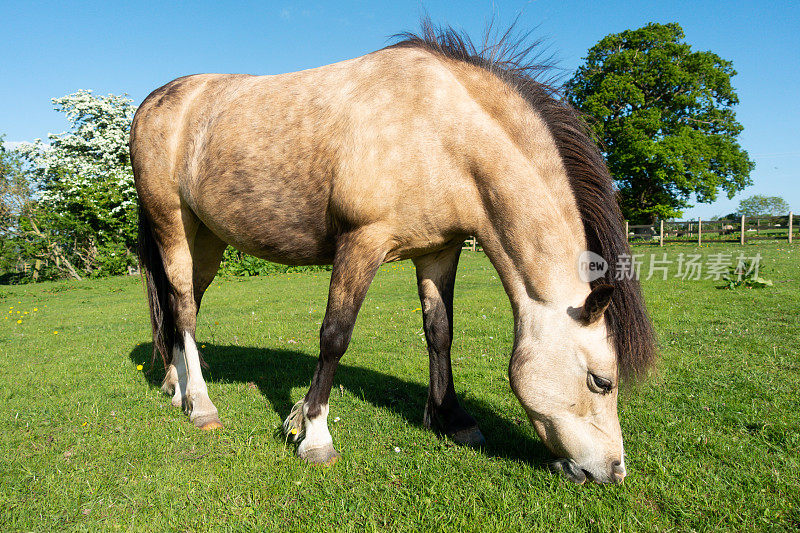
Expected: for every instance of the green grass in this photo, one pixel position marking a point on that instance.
(88, 442)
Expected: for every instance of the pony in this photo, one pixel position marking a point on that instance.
(399, 154)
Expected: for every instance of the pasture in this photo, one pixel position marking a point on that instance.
(89, 442)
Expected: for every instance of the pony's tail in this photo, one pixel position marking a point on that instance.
(158, 290)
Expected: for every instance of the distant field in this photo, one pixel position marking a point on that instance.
(88, 442)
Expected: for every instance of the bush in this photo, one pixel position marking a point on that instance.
(236, 263)
(112, 259)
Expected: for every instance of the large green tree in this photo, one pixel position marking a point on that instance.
(763, 205)
(665, 117)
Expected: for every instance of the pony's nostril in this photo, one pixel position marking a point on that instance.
(617, 470)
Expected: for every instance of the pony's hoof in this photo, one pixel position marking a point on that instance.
(322, 456)
(208, 422)
(471, 437)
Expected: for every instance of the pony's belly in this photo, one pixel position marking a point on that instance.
(282, 236)
(277, 251)
(409, 249)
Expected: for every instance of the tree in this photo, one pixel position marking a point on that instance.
(665, 117)
(15, 199)
(15, 193)
(758, 205)
(86, 200)
(23, 243)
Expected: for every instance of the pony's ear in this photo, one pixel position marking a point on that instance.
(596, 304)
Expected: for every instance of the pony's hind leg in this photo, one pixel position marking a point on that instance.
(206, 257)
(358, 256)
(171, 385)
(436, 275)
(207, 250)
(176, 234)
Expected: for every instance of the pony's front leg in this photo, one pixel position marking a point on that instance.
(358, 256)
(436, 276)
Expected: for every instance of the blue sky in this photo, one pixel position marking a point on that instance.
(52, 49)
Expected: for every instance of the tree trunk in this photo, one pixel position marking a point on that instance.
(56, 252)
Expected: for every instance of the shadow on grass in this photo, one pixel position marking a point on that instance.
(275, 372)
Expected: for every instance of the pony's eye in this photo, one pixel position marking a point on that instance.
(601, 385)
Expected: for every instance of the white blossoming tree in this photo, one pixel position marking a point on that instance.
(84, 185)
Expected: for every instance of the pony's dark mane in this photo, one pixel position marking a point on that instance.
(514, 62)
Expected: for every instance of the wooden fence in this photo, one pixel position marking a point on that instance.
(742, 230)
(471, 244)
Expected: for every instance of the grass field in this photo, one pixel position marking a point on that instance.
(88, 442)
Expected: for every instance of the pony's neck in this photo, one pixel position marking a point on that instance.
(540, 280)
(528, 220)
(534, 243)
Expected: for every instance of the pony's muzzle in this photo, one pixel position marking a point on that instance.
(569, 469)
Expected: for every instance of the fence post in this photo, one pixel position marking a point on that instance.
(661, 235)
(627, 235)
(742, 237)
(699, 231)
(791, 216)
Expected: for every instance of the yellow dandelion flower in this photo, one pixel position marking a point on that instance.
(19, 321)
(202, 345)
(294, 431)
(35, 308)
(55, 333)
(83, 424)
(25, 313)
(139, 367)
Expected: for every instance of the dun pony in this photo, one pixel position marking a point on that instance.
(399, 154)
